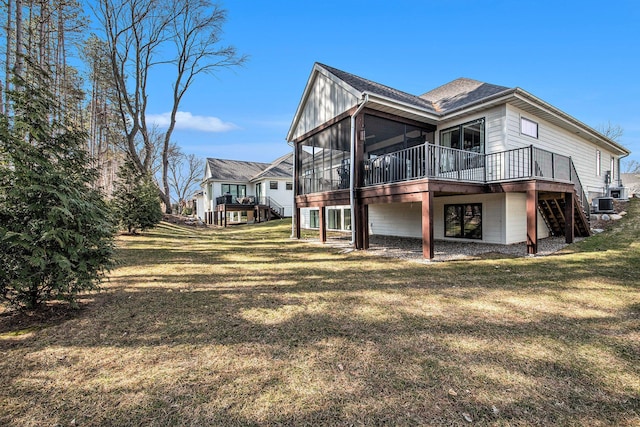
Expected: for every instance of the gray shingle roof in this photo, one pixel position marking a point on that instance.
(450, 96)
(282, 167)
(364, 85)
(460, 92)
(234, 170)
(243, 171)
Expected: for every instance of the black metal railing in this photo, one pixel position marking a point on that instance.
(250, 201)
(275, 206)
(434, 161)
(229, 199)
(424, 161)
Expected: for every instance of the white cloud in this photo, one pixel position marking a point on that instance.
(186, 120)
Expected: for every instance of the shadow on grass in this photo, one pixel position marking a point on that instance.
(232, 330)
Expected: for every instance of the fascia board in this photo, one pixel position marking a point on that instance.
(392, 103)
(550, 109)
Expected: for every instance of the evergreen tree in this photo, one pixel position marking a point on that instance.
(135, 199)
(56, 232)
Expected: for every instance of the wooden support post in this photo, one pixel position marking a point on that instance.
(569, 218)
(296, 219)
(427, 225)
(224, 213)
(532, 221)
(365, 226)
(323, 223)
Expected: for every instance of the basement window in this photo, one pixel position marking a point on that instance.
(463, 221)
(314, 218)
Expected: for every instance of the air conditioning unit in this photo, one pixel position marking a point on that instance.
(617, 193)
(602, 204)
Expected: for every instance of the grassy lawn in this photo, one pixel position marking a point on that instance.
(245, 326)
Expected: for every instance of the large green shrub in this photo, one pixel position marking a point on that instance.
(136, 205)
(56, 231)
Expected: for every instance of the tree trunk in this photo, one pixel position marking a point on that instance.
(7, 63)
(18, 47)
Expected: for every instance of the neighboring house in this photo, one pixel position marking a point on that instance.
(631, 182)
(467, 161)
(235, 191)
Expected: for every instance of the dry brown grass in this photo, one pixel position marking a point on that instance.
(247, 327)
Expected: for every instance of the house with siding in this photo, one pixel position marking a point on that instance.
(237, 191)
(466, 161)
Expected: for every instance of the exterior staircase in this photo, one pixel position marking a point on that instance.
(552, 206)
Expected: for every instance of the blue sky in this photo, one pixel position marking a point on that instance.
(582, 57)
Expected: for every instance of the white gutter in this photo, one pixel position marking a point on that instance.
(352, 190)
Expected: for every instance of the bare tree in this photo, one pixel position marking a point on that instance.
(141, 34)
(185, 171)
(631, 166)
(611, 131)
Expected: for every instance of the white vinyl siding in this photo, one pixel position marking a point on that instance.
(396, 219)
(282, 196)
(326, 100)
(305, 218)
(516, 219)
(560, 141)
(504, 218)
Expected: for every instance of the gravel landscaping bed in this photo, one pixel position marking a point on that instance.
(411, 248)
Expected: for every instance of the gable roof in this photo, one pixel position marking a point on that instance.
(282, 167)
(461, 92)
(367, 86)
(234, 170)
(462, 96)
(244, 171)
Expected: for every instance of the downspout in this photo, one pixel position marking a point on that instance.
(295, 190)
(352, 172)
(620, 183)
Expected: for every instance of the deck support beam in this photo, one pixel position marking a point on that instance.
(296, 223)
(427, 225)
(224, 213)
(323, 223)
(365, 226)
(569, 218)
(532, 221)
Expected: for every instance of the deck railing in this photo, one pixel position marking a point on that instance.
(434, 161)
(250, 201)
(424, 161)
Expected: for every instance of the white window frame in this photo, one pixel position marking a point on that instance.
(528, 127)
